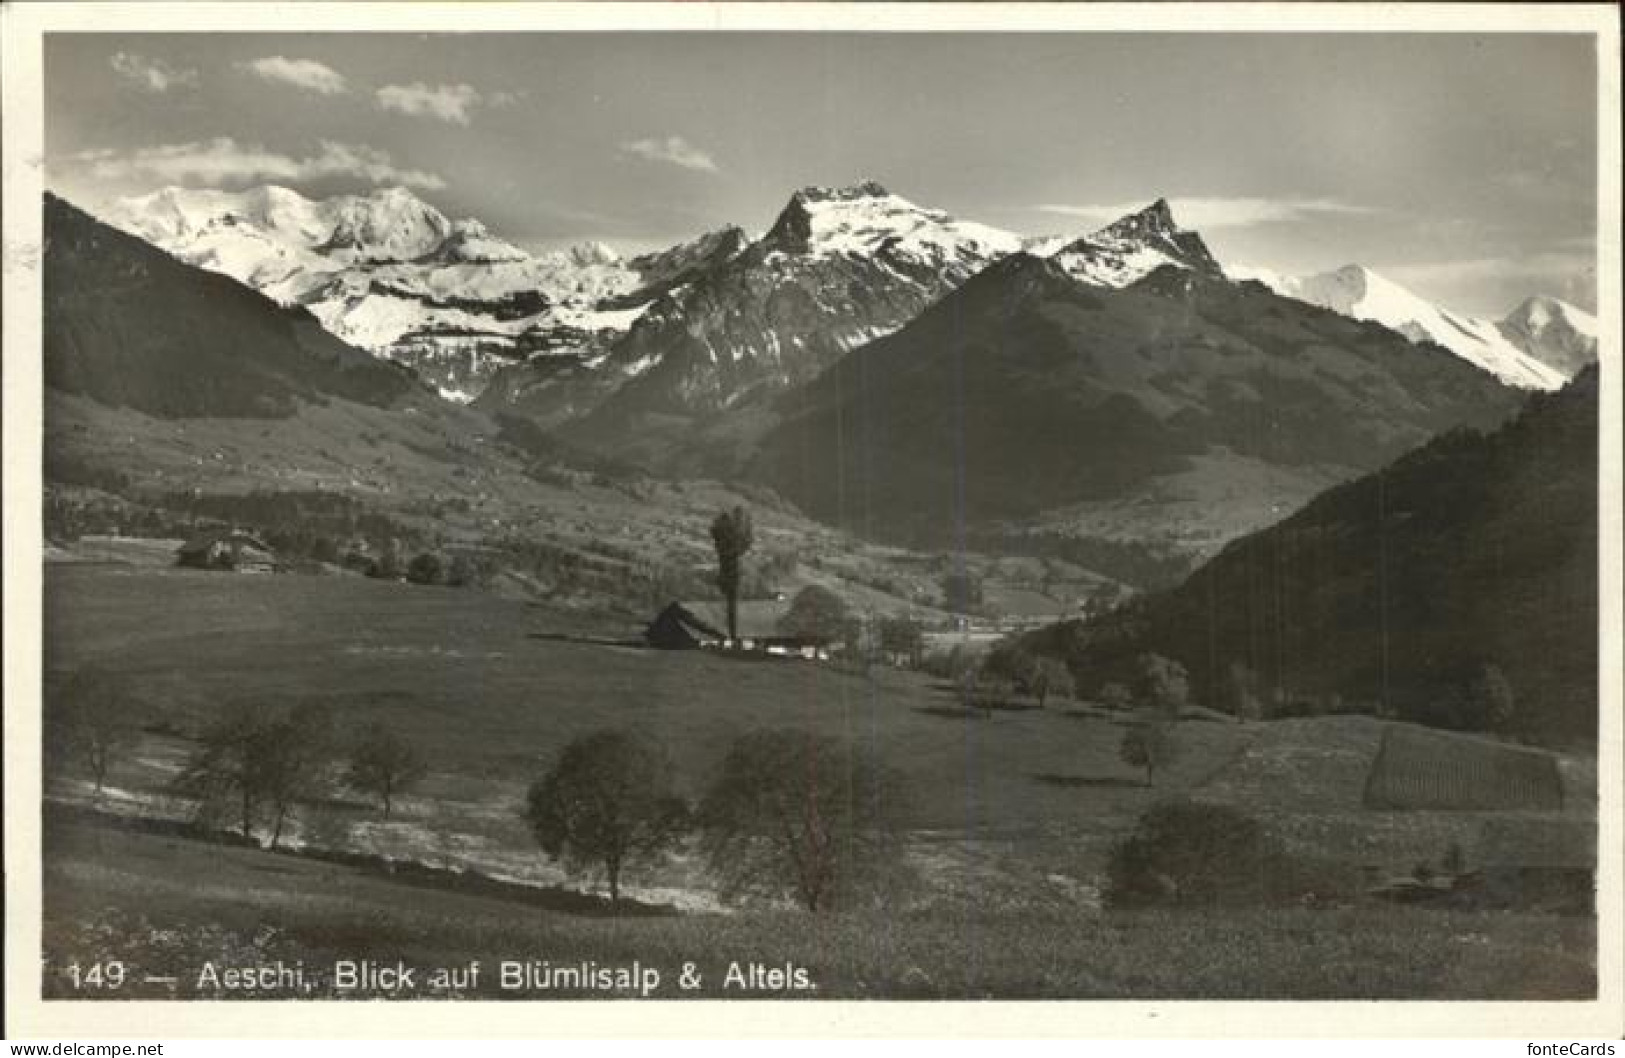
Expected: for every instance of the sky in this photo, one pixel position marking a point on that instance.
(1461, 165)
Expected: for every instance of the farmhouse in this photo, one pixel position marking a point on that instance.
(227, 549)
(693, 625)
(1540, 863)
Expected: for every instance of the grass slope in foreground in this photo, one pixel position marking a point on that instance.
(168, 905)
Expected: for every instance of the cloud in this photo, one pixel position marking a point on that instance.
(307, 74)
(448, 102)
(151, 75)
(1211, 213)
(673, 150)
(1516, 267)
(224, 161)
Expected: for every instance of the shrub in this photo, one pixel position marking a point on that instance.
(1192, 854)
(425, 569)
(1116, 696)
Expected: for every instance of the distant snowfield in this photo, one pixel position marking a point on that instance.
(1358, 292)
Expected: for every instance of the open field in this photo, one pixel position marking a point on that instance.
(470, 675)
(1010, 816)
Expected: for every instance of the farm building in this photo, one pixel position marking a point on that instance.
(692, 625)
(1534, 862)
(227, 549)
(1420, 770)
(679, 628)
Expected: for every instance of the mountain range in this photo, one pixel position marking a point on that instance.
(1445, 521)
(1539, 345)
(894, 370)
(1024, 391)
(131, 327)
(586, 338)
(392, 274)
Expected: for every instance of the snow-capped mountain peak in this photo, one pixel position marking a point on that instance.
(588, 254)
(391, 273)
(1360, 293)
(1554, 332)
(1153, 221)
(865, 219)
(1134, 246)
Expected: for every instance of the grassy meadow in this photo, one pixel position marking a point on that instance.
(1010, 816)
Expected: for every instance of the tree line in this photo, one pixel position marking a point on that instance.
(787, 814)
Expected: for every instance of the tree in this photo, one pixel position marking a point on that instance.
(1490, 701)
(609, 800)
(292, 756)
(989, 688)
(1011, 662)
(816, 614)
(467, 571)
(1164, 684)
(425, 568)
(89, 724)
(222, 767)
(1116, 696)
(260, 762)
(1149, 744)
(961, 591)
(388, 566)
(733, 536)
(384, 764)
(1240, 692)
(800, 814)
(902, 637)
(1049, 676)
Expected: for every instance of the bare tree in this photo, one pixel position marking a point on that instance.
(262, 761)
(222, 768)
(800, 814)
(89, 724)
(610, 799)
(384, 764)
(293, 761)
(732, 534)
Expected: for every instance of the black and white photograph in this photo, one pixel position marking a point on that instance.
(819, 514)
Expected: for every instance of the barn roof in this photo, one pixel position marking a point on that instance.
(236, 537)
(758, 619)
(678, 625)
(1418, 768)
